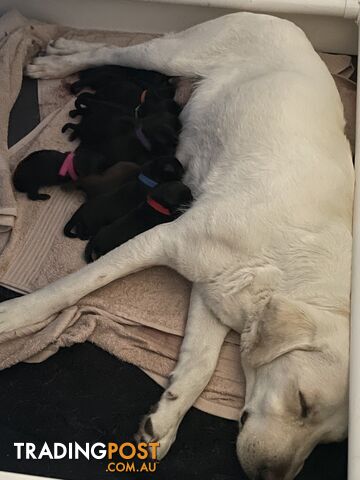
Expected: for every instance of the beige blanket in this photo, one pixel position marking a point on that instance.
(141, 318)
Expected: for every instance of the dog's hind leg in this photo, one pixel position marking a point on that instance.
(204, 336)
(151, 248)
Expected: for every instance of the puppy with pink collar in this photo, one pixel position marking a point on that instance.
(47, 168)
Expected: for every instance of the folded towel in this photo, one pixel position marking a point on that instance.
(141, 318)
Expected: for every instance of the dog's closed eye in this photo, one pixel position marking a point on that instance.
(305, 409)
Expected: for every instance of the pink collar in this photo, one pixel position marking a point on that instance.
(67, 168)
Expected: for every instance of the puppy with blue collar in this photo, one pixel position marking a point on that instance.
(104, 209)
(164, 203)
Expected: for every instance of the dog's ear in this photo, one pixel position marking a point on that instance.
(284, 326)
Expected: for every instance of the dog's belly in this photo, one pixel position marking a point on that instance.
(264, 170)
(242, 128)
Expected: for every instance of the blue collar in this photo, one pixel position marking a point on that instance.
(147, 181)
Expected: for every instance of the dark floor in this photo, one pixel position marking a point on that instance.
(84, 394)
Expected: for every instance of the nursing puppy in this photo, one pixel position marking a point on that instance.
(130, 100)
(108, 181)
(46, 168)
(266, 243)
(97, 78)
(90, 103)
(106, 208)
(164, 203)
(124, 138)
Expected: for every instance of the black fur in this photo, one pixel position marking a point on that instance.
(113, 135)
(97, 77)
(108, 181)
(104, 209)
(41, 169)
(172, 195)
(125, 97)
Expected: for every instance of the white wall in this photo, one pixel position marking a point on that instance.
(327, 33)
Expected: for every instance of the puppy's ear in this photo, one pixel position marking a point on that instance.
(284, 326)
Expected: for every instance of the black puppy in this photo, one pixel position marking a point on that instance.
(108, 181)
(87, 102)
(46, 168)
(97, 77)
(124, 138)
(129, 97)
(164, 203)
(104, 209)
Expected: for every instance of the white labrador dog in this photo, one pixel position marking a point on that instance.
(267, 242)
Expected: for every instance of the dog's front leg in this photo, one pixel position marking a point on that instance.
(204, 336)
(189, 53)
(64, 46)
(151, 248)
(157, 54)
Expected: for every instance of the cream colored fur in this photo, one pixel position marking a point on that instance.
(267, 242)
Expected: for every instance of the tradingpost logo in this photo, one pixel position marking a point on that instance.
(121, 457)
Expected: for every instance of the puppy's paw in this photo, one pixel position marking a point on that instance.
(38, 196)
(92, 251)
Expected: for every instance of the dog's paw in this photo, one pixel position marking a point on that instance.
(52, 66)
(63, 46)
(157, 428)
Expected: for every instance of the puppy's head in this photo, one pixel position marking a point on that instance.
(162, 130)
(295, 359)
(164, 169)
(175, 196)
(155, 103)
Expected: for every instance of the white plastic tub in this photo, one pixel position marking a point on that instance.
(332, 27)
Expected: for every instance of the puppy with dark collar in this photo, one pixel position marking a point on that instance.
(97, 77)
(163, 204)
(108, 181)
(127, 138)
(104, 209)
(126, 98)
(46, 168)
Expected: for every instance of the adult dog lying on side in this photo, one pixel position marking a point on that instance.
(267, 241)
